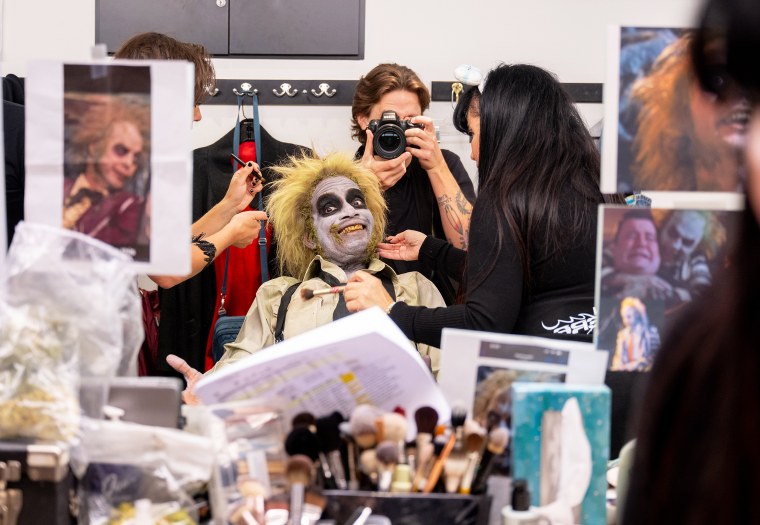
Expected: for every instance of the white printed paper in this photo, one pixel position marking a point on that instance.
(362, 358)
(112, 156)
(471, 360)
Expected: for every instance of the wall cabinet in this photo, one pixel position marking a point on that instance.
(330, 29)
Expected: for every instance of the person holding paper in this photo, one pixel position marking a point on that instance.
(530, 262)
(328, 216)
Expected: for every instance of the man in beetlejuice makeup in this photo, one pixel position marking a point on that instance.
(328, 215)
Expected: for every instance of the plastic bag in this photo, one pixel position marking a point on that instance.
(38, 374)
(122, 463)
(85, 279)
(248, 439)
(69, 313)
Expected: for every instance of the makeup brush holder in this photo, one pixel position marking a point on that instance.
(450, 509)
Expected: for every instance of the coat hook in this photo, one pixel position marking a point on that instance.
(286, 89)
(456, 90)
(212, 92)
(246, 87)
(324, 89)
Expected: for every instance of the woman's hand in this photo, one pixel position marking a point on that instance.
(388, 171)
(404, 246)
(245, 227)
(365, 291)
(192, 376)
(245, 183)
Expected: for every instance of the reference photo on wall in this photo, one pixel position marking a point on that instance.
(652, 262)
(107, 155)
(665, 133)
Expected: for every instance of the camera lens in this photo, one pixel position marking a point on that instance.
(389, 142)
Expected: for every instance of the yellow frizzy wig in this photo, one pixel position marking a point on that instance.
(289, 206)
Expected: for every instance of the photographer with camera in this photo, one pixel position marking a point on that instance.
(427, 189)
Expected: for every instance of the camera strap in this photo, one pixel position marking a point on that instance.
(236, 148)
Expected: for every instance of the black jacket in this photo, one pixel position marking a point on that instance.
(187, 309)
(13, 136)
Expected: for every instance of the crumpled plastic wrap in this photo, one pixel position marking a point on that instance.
(119, 463)
(38, 374)
(69, 311)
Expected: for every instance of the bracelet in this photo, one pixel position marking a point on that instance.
(208, 248)
(390, 307)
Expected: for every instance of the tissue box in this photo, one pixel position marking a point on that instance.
(536, 438)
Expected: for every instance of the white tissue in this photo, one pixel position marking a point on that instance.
(575, 465)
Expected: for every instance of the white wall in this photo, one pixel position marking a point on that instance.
(430, 36)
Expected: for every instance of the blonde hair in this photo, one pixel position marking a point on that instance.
(289, 206)
(636, 304)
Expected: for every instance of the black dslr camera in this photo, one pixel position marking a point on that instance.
(389, 140)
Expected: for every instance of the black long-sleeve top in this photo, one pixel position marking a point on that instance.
(559, 304)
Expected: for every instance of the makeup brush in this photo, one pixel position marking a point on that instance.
(314, 503)
(299, 475)
(437, 468)
(351, 454)
(368, 465)
(362, 425)
(307, 293)
(425, 458)
(387, 458)
(498, 439)
(458, 418)
(473, 444)
(393, 428)
(255, 176)
(306, 421)
(328, 432)
(251, 511)
(302, 441)
(455, 465)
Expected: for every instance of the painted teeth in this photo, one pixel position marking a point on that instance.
(355, 227)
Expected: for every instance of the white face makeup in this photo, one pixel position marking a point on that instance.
(342, 222)
(680, 236)
(121, 156)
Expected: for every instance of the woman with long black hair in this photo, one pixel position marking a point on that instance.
(529, 268)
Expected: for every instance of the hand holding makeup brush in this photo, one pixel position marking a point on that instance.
(307, 293)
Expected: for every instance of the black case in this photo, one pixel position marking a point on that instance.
(36, 478)
(410, 509)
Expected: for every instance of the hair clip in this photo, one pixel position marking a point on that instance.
(468, 75)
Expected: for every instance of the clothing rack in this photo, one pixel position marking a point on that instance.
(341, 92)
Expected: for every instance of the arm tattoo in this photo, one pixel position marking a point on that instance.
(208, 248)
(454, 217)
(465, 208)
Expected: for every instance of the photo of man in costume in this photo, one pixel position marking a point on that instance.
(673, 135)
(107, 152)
(663, 258)
(637, 341)
(328, 216)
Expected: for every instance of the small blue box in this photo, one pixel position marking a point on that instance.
(529, 403)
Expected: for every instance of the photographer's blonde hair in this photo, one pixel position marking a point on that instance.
(289, 206)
